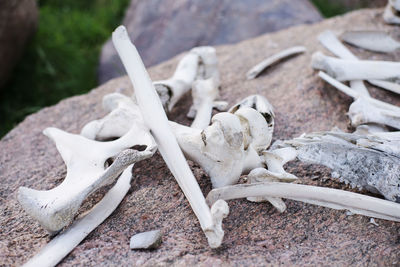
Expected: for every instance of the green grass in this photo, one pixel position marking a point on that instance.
(61, 59)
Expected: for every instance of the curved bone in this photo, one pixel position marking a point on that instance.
(61, 245)
(377, 41)
(156, 119)
(86, 172)
(326, 197)
(260, 67)
(348, 70)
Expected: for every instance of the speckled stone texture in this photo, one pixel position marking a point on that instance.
(255, 233)
(163, 29)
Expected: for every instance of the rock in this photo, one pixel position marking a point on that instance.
(18, 20)
(146, 240)
(255, 233)
(162, 29)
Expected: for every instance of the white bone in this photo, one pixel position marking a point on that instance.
(363, 112)
(326, 197)
(390, 15)
(61, 245)
(156, 119)
(377, 41)
(146, 240)
(348, 70)
(332, 43)
(260, 67)
(390, 86)
(86, 172)
(123, 113)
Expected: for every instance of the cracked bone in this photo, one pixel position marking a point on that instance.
(61, 245)
(332, 43)
(260, 67)
(377, 41)
(156, 119)
(348, 70)
(87, 171)
(321, 196)
(362, 161)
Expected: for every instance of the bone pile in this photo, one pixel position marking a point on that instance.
(227, 145)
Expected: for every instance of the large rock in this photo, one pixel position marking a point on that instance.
(255, 233)
(18, 20)
(162, 29)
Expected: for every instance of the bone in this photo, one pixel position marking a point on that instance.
(377, 41)
(325, 197)
(172, 89)
(61, 245)
(389, 86)
(124, 112)
(355, 95)
(348, 70)
(390, 15)
(146, 240)
(156, 119)
(363, 112)
(260, 67)
(353, 160)
(87, 171)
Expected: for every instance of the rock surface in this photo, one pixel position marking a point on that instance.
(18, 20)
(162, 29)
(255, 233)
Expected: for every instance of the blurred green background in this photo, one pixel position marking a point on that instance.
(61, 60)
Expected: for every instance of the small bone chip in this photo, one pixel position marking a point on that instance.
(146, 240)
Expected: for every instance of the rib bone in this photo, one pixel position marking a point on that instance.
(260, 67)
(86, 172)
(156, 119)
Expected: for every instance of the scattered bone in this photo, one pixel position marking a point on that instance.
(87, 171)
(354, 159)
(332, 43)
(146, 240)
(372, 221)
(124, 113)
(322, 196)
(260, 67)
(155, 117)
(377, 41)
(348, 70)
(61, 245)
(391, 15)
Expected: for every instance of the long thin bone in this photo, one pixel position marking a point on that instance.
(154, 116)
(326, 197)
(377, 41)
(86, 172)
(61, 245)
(260, 67)
(348, 70)
(355, 95)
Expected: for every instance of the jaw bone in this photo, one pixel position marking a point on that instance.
(87, 171)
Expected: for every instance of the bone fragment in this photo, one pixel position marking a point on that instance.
(260, 67)
(61, 245)
(87, 171)
(377, 41)
(156, 119)
(325, 197)
(146, 240)
(358, 160)
(348, 70)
